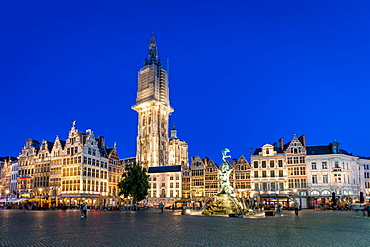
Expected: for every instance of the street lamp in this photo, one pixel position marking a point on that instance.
(40, 198)
(6, 198)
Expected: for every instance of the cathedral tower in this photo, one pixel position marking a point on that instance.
(153, 108)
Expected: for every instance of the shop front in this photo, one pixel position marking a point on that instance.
(270, 201)
(74, 201)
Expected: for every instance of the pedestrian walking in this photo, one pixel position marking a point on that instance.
(296, 207)
(161, 206)
(84, 210)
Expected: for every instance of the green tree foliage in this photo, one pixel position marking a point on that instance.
(134, 182)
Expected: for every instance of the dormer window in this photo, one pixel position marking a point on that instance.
(267, 151)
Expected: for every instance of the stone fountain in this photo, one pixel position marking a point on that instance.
(225, 203)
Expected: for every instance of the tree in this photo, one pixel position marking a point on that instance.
(134, 182)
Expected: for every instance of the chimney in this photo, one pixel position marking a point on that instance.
(234, 162)
(281, 143)
(302, 139)
(205, 161)
(275, 144)
(101, 141)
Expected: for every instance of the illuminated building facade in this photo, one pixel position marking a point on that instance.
(200, 180)
(8, 172)
(332, 169)
(26, 168)
(80, 169)
(269, 175)
(365, 174)
(295, 152)
(242, 182)
(163, 157)
(153, 108)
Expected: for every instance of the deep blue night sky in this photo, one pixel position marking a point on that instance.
(242, 73)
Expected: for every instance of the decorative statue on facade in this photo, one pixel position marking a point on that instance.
(224, 174)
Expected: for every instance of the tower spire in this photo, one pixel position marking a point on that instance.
(173, 131)
(152, 53)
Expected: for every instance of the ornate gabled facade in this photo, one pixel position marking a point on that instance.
(295, 152)
(269, 175)
(200, 181)
(241, 178)
(26, 168)
(211, 181)
(56, 168)
(69, 172)
(307, 174)
(115, 172)
(153, 108)
(197, 182)
(85, 168)
(186, 176)
(8, 176)
(41, 175)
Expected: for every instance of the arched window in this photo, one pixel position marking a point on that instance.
(325, 192)
(315, 193)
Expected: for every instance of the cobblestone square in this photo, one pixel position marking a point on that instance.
(151, 228)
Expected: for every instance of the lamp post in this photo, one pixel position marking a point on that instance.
(6, 198)
(40, 198)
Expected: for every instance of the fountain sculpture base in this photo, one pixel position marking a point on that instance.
(223, 204)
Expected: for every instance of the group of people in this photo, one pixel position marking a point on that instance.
(161, 207)
(278, 208)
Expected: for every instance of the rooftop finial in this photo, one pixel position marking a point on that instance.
(152, 41)
(152, 53)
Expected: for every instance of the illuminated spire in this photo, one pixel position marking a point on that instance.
(152, 54)
(173, 131)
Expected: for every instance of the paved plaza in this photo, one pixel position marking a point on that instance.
(151, 228)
